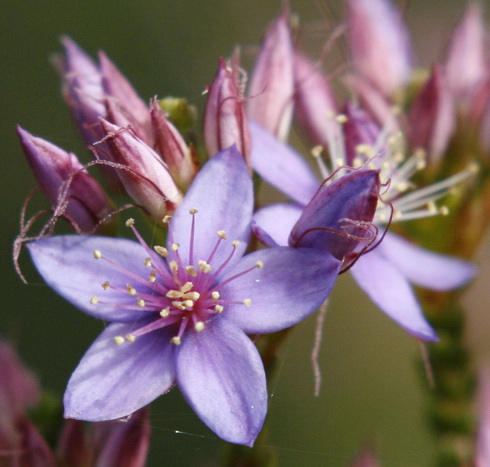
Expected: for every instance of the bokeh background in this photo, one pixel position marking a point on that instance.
(371, 390)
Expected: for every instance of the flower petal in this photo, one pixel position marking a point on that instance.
(277, 220)
(282, 167)
(426, 268)
(291, 285)
(220, 373)
(113, 381)
(222, 193)
(68, 265)
(391, 292)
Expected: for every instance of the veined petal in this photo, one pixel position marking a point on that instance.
(277, 220)
(426, 268)
(67, 264)
(291, 285)
(220, 373)
(113, 381)
(391, 292)
(281, 166)
(222, 193)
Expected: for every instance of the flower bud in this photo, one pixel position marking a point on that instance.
(315, 104)
(225, 121)
(172, 147)
(378, 43)
(432, 116)
(63, 179)
(337, 218)
(272, 82)
(141, 170)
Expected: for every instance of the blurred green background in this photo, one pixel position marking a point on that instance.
(370, 390)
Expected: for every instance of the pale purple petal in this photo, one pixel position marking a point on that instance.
(67, 264)
(391, 292)
(281, 166)
(291, 285)
(278, 220)
(222, 193)
(426, 268)
(220, 373)
(113, 381)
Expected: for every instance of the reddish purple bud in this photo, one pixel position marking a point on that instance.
(466, 62)
(366, 458)
(172, 147)
(225, 121)
(339, 215)
(64, 181)
(379, 43)
(141, 170)
(315, 106)
(123, 443)
(361, 134)
(272, 82)
(74, 447)
(432, 116)
(82, 89)
(124, 98)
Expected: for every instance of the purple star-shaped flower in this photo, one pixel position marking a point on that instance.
(181, 314)
(384, 273)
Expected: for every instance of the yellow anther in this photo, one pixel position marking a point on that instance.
(357, 162)
(219, 308)
(235, 243)
(174, 294)
(174, 246)
(259, 264)
(341, 118)
(94, 300)
(105, 285)
(188, 303)
(186, 287)
(215, 295)
(164, 312)
(222, 234)
(199, 326)
(176, 340)
(317, 151)
(339, 162)
(153, 276)
(167, 219)
(191, 271)
(130, 222)
(119, 340)
(130, 337)
(247, 302)
(204, 267)
(97, 254)
(178, 305)
(473, 167)
(192, 211)
(191, 296)
(131, 290)
(432, 207)
(174, 267)
(148, 262)
(444, 210)
(140, 302)
(162, 251)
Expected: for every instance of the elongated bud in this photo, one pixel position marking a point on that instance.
(144, 175)
(337, 216)
(172, 147)
(466, 63)
(225, 121)
(378, 43)
(125, 99)
(432, 116)
(272, 82)
(57, 170)
(314, 101)
(83, 91)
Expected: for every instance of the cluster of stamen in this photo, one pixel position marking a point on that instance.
(401, 200)
(180, 294)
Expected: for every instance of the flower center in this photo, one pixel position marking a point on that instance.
(184, 295)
